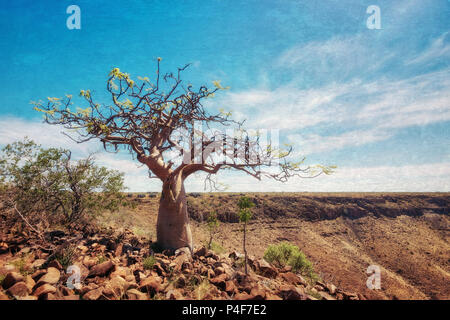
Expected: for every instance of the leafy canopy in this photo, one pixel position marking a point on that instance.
(39, 180)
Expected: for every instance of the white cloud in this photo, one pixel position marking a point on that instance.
(439, 51)
(430, 177)
(365, 111)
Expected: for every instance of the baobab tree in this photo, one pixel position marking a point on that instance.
(161, 123)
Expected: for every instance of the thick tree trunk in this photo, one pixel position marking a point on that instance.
(173, 229)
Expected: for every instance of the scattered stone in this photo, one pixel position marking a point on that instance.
(116, 287)
(38, 274)
(265, 269)
(3, 296)
(258, 293)
(51, 277)
(230, 287)
(93, 294)
(55, 264)
(326, 296)
(89, 287)
(3, 247)
(292, 293)
(30, 283)
(331, 288)
(151, 285)
(101, 269)
(44, 289)
(242, 296)
(38, 263)
(236, 255)
(19, 289)
(201, 252)
(174, 294)
(72, 297)
(292, 278)
(220, 281)
(12, 278)
(134, 294)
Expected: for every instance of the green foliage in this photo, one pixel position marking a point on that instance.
(47, 181)
(286, 253)
(21, 265)
(101, 258)
(2, 277)
(245, 204)
(314, 294)
(213, 225)
(66, 256)
(217, 248)
(149, 262)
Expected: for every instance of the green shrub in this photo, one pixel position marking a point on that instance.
(101, 259)
(217, 248)
(285, 253)
(65, 257)
(2, 277)
(149, 262)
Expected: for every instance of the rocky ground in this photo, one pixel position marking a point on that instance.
(116, 266)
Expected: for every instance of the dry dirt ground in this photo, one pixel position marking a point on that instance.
(405, 234)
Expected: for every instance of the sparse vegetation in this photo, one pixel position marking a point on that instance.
(245, 214)
(202, 289)
(46, 187)
(285, 253)
(213, 226)
(217, 248)
(66, 256)
(149, 262)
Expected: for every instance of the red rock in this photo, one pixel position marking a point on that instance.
(101, 269)
(271, 296)
(265, 269)
(220, 281)
(93, 294)
(174, 294)
(3, 247)
(30, 283)
(258, 293)
(12, 278)
(201, 252)
(3, 296)
(230, 287)
(116, 287)
(151, 285)
(242, 296)
(71, 297)
(118, 251)
(134, 294)
(292, 293)
(55, 264)
(19, 289)
(38, 274)
(44, 289)
(292, 278)
(51, 277)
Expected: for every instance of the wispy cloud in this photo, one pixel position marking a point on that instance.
(439, 51)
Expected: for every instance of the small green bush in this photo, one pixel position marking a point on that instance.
(285, 253)
(149, 262)
(2, 277)
(217, 248)
(65, 257)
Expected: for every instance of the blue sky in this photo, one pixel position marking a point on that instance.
(376, 103)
